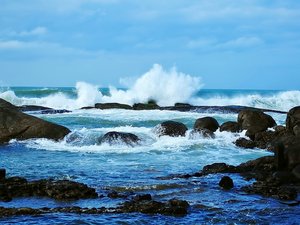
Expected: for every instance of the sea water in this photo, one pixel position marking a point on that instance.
(141, 169)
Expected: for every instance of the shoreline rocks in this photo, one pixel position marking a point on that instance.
(15, 124)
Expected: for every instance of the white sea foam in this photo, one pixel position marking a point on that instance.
(165, 87)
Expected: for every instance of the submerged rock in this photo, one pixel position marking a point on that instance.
(226, 183)
(115, 138)
(17, 125)
(171, 128)
(209, 123)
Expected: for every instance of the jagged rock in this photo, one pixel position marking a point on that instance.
(171, 128)
(230, 126)
(17, 125)
(115, 138)
(112, 106)
(226, 183)
(209, 123)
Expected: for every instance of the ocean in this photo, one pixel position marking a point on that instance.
(139, 169)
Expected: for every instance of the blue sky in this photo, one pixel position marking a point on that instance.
(229, 43)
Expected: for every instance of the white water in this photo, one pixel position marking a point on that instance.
(165, 87)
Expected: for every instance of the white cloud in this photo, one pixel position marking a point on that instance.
(241, 42)
(34, 32)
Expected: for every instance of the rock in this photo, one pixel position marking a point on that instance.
(115, 195)
(230, 126)
(171, 128)
(30, 108)
(286, 193)
(201, 132)
(206, 123)
(173, 207)
(292, 156)
(226, 183)
(264, 164)
(17, 125)
(55, 111)
(254, 121)
(245, 143)
(296, 130)
(112, 106)
(2, 174)
(183, 105)
(4, 194)
(279, 158)
(218, 168)
(296, 172)
(115, 138)
(279, 129)
(145, 197)
(145, 106)
(7, 105)
(293, 119)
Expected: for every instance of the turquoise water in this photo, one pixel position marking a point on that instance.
(138, 169)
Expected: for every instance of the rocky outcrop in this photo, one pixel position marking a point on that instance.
(112, 106)
(145, 106)
(171, 128)
(115, 138)
(254, 121)
(209, 123)
(18, 125)
(62, 190)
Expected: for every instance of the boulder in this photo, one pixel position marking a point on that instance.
(226, 183)
(230, 126)
(15, 124)
(171, 128)
(245, 143)
(206, 123)
(254, 121)
(112, 106)
(293, 119)
(115, 138)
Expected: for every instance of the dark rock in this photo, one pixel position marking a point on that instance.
(17, 125)
(284, 177)
(293, 119)
(226, 183)
(264, 164)
(218, 168)
(286, 193)
(202, 132)
(55, 111)
(296, 172)
(7, 105)
(4, 193)
(255, 121)
(114, 138)
(230, 126)
(207, 123)
(171, 128)
(29, 108)
(279, 129)
(88, 107)
(173, 207)
(296, 130)
(145, 106)
(245, 143)
(112, 106)
(145, 197)
(279, 158)
(182, 105)
(292, 156)
(2, 174)
(115, 194)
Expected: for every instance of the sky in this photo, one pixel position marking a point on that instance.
(230, 44)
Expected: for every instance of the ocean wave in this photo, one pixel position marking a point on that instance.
(165, 87)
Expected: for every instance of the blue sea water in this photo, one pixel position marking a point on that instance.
(80, 157)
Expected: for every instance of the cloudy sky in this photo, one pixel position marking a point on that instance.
(229, 43)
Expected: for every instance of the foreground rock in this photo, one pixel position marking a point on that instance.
(115, 138)
(17, 125)
(62, 190)
(171, 128)
(209, 123)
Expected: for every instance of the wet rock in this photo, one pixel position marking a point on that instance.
(145, 197)
(151, 105)
(218, 168)
(293, 119)
(296, 172)
(230, 126)
(112, 106)
(2, 174)
(115, 195)
(173, 207)
(17, 125)
(255, 121)
(202, 133)
(226, 183)
(171, 128)
(115, 138)
(264, 164)
(245, 143)
(209, 123)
